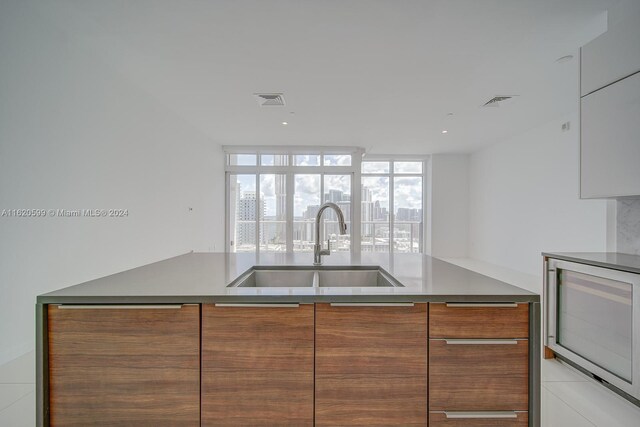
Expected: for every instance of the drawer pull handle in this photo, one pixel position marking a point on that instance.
(121, 307)
(372, 304)
(258, 305)
(487, 304)
(481, 342)
(480, 414)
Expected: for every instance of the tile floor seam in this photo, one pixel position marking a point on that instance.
(570, 406)
(19, 383)
(19, 400)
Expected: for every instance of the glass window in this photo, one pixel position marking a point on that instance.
(273, 199)
(306, 202)
(337, 159)
(273, 213)
(337, 189)
(407, 167)
(242, 159)
(243, 210)
(274, 159)
(407, 203)
(375, 214)
(306, 160)
(375, 167)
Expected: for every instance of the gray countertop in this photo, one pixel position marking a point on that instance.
(204, 277)
(614, 260)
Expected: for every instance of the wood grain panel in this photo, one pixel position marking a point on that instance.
(124, 366)
(478, 377)
(438, 419)
(257, 366)
(371, 400)
(380, 340)
(257, 398)
(478, 322)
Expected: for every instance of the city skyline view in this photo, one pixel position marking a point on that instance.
(375, 191)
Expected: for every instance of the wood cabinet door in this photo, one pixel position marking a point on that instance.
(371, 365)
(257, 365)
(120, 365)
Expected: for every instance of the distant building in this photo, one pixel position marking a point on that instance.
(246, 215)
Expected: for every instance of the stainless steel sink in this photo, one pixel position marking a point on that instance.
(259, 278)
(304, 277)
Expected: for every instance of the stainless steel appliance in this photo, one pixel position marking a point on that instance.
(593, 321)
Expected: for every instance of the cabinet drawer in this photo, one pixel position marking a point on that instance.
(478, 375)
(499, 320)
(478, 419)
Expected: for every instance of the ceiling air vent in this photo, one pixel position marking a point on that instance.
(270, 99)
(498, 99)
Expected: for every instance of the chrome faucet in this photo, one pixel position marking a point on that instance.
(317, 248)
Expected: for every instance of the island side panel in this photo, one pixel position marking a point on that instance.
(42, 366)
(535, 353)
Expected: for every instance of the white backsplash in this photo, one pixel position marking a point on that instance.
(628, 226)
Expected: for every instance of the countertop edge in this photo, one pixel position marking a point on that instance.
(304, 299)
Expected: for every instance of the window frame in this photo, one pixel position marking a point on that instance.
(392, 175)
(290, 171)
(355, 170)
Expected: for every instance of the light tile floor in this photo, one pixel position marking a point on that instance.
(17, 392)
(569, 399)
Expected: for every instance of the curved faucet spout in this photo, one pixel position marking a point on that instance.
(317, 248)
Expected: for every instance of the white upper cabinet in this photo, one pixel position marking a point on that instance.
(610, 141)
(612, 56)
(610, 108)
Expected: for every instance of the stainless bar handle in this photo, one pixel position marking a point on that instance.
(372, 304)
(552, 305)
(259, 305)
(480, 414)
(120, 307)
(488, 304)
(480, 342)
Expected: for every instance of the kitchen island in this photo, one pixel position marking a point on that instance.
(178, 342)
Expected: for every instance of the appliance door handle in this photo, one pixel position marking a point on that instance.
(120, 306)
(552, 306)
(480, 414)
(480, 342)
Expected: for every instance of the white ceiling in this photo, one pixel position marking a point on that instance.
(378, 74)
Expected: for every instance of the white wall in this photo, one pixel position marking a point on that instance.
(74, 134)
(524, 200)
(447, 205)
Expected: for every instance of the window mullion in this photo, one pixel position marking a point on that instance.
(321, 203)
(289, 210)
(257, 221)
(391, 210)
(356, 211)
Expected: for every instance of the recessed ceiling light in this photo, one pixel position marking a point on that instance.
(285, 123)
(565, 58)
(445, 131)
